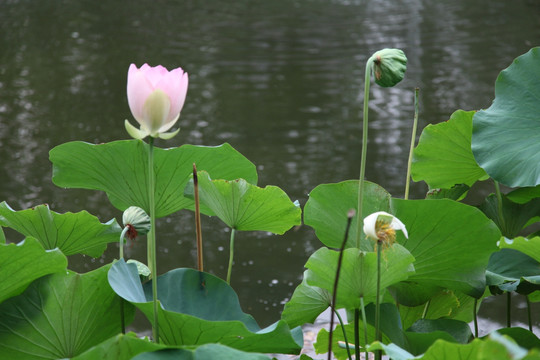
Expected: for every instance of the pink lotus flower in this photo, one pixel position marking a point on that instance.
(156, 97)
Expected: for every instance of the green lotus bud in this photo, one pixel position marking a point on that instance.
(137, 221)
(389, 66)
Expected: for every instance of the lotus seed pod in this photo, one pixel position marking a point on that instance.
(389, 66)
(137, 220)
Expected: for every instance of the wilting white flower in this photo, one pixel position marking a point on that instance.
(381, 226)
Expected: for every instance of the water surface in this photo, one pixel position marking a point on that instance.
(281, 81)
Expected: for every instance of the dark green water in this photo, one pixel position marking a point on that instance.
(280, 80)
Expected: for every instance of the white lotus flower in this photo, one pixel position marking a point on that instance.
(381, 226)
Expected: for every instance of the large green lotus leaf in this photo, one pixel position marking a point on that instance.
(424, 332)
(358, 277)
(199, 308)
(450, 241)
(120, 168)
(72, 233)
(203, 352)
(522, 337)
(530, 247)
(327, 207)
(412, 293)
(119, 347)
(393, 351)
(515, 216)
(60, 316)
(524, 194)
(25, 262)
(443, 157)
(506, 136)
(510, 268)
(440, 305)
(445, 350)
(126, 347)
(244, 206)
(306, 304)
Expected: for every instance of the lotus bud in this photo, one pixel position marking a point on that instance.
(155, 97)
(137, 221)
(389, 66)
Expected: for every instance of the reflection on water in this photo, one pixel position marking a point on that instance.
(279, 80)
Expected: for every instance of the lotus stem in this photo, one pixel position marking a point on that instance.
(475, 317)
(364, 320)
(426, 308)
(121, 256)
(231, 256)
(378, 353)
(198, 227)
(350, 215)
(413, 141)
(357, 333)
(152, 237)
(363, 157)
(121, 244)
(344, 335)
(508, 309)
(529, 316)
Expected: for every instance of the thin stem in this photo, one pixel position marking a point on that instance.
(152, 237)
(364, 320)
(344, 334)
(231, 257)
(378, 353)
(413, 141)
(122, 236)
(475, 316)
(357, 334)
(508, 309)
(499, 205)
(350, 215)
(426, 308)
(121, 256)
(363, 157)
(529, 317)
(198, 227)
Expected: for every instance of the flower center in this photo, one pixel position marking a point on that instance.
(385, 233)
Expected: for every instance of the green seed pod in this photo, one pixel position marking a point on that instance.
(137, 220)
(389, 66)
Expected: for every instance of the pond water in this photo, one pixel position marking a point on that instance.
(281, 81)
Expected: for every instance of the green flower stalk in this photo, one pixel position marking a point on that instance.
(413, 141)
(388, 68)
(155, 97)
(151, 247)
(381, 227)
(136, 222)
(231, 256)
